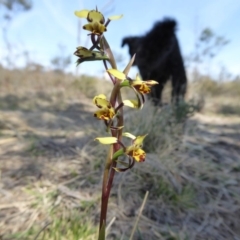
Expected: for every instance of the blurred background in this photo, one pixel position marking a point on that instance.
(41, 32)
(50, 166)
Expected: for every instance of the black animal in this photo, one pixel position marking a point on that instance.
(158, 57)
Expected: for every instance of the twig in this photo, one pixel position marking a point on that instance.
(7, 140)
(139, 215)
(44, 227)
(110, 224)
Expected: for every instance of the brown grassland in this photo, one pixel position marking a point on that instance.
(51, 169)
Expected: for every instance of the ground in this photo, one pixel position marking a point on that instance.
(51, 170)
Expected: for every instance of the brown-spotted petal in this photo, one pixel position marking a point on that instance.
(95, 16)
(105, 114)
(137, 154)
(95, 27)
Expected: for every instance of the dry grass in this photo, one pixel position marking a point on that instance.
(50, 173)
(222, 98)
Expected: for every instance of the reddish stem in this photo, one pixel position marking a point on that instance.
(108, 185)
(106, 193)
(108, 177)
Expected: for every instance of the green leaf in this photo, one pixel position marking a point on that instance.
(102, 232)
(125, 83)
(117, 154)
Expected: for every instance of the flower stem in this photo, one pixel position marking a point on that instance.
(110, 165)
(105, 193)
(107, 185)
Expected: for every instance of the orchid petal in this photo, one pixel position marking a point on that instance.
(129, 135)
(105, 114)
(95, 28)
(116, 17)
(131, 103)
(141, 87)
(82, 13)
(95, 16)
(138, 94)
(139, 155)
(117, 74)
(101, 101)
(128, 67)
(151, 82)
(138, 77)
(139, 140)
(107, 140)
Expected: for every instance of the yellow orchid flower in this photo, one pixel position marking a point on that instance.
(106, 112)
(96, 20)
(142, 86)
(135, 151)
